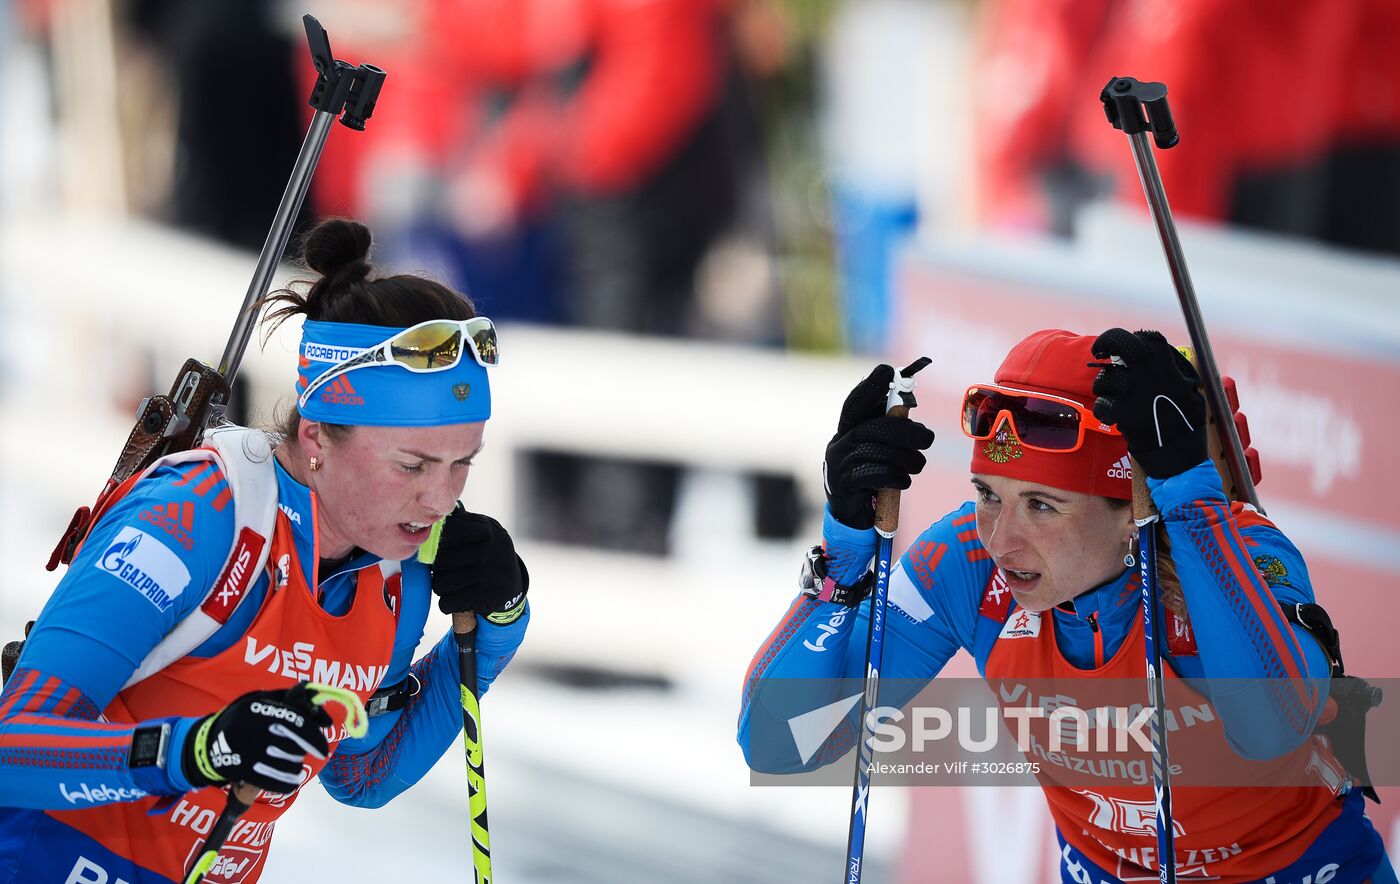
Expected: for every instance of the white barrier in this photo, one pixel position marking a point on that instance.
(98, 294)
(111, 287)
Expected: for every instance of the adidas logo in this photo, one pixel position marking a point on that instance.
(221, 754)
(1121, 470)
(339, 391)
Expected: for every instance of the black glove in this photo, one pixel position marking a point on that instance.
(476, 568)
(870, 451)
(1154, 399)
(262, 739)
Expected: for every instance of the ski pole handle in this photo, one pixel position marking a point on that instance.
(887, 499)
(240, 797)
(464, 630)
(887, 502)
(1144, 510)
(897, 404)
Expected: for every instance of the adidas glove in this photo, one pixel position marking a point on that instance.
(476, 568)
(262, 738)
(1151, 393)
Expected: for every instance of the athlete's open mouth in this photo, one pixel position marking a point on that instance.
(1020, 576)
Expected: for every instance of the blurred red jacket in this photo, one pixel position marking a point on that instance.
(583, 96)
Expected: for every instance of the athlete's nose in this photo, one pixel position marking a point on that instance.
(1000, 534)
(441, 496)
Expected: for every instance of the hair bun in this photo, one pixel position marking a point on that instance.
(337, 247)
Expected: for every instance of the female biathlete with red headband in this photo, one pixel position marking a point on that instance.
(1033, 579)
(174, 656)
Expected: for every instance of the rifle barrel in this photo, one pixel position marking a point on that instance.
(276, 243)
(1195, 324)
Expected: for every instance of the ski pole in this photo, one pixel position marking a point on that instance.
(241, 795)
(1135, 107)
(1146, 517)
(464, 631)
(900, 400)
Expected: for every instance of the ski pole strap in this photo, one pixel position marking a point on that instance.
(816, 583)
(356, 721)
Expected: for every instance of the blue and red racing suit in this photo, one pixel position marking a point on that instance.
(1235, 569)
(71, 808)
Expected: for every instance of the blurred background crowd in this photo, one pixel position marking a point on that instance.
(773, 179)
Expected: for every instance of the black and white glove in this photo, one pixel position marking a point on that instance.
(1154, 399)
(262, 738)
(476, 569)
(870, 451)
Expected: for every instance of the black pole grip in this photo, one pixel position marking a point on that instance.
(1134, 106)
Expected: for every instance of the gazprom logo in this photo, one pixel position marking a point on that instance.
(114, 559)
(147, 565)
(329, 352)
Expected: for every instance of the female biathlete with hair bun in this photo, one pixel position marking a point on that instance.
(1033, 579)
(297, 549)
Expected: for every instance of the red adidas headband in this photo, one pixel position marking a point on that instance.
(1055, 361)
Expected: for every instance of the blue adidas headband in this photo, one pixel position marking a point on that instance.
(385, 395)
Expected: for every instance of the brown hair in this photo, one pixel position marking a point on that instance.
(338, 249)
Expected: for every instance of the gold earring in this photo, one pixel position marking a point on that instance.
(315, 464)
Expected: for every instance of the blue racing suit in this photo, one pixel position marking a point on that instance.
(1235, 570)
(55, 748)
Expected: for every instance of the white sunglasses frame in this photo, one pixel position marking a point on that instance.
(379, 354)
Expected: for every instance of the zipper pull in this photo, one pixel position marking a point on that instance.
(1093, 619)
